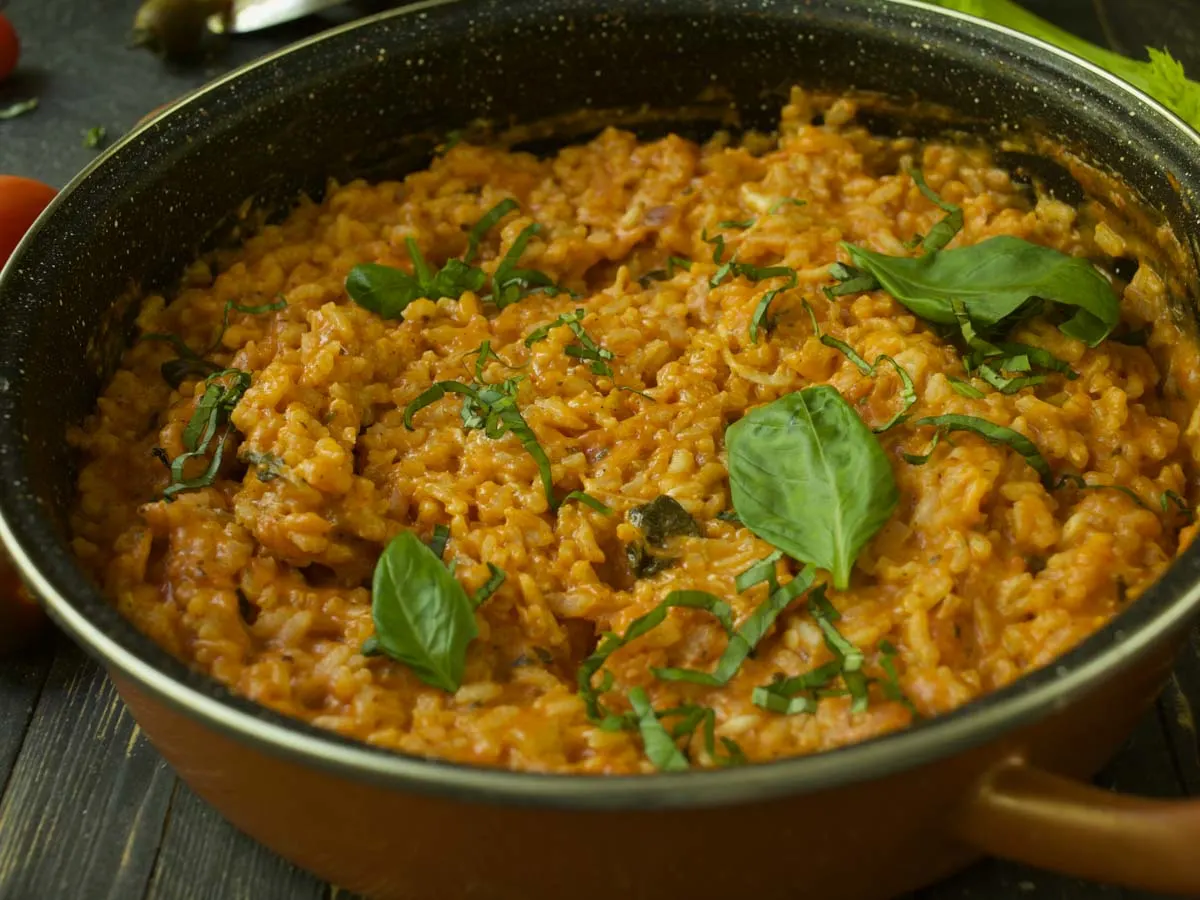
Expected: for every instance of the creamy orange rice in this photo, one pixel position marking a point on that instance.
(982, 574)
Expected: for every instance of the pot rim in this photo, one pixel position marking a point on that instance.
(1149, 624)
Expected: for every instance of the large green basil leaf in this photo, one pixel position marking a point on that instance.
(423, 617)
(808, 476)
(994, 279)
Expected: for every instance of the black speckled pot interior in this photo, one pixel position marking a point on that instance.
(374, 98)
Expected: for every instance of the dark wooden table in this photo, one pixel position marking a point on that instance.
(88, 809)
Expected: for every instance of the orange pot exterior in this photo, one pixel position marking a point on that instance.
(21, 619)
(865, 841)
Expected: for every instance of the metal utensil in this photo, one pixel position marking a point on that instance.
(254, 15)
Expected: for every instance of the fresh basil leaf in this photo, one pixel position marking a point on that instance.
(1008, 385)
(849, 281)
(659, 745)
(610, 642)
(994, 434)
(996, 279)
(662, 518)
(965, 388)
(588, 500)
(810, 478)
(489, 221)
(1037, 356)
(383, 290)
(743, 641)
(495, 580)
(979, 347)
(944, 231)
(423, 617)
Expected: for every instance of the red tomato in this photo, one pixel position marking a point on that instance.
(10, 48)
(21, 200)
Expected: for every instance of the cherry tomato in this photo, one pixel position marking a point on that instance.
(21, 201)
(10, 47)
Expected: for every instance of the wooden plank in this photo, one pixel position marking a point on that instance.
(21, 680)
(203, 857)
(87, 798)
(1180, 711)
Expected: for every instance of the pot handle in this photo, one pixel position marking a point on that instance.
(1028, 815)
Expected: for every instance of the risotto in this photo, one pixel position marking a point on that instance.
(646, 455)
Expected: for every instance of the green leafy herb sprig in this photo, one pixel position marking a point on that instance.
(208, 430)
(492, 409)
(584, 347)
(387, 291)
(998, 282)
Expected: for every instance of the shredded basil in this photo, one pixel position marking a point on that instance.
(585, 348)
(510, 283)
(965, 388)
(482, 354)
(588, 500)
(660, 747)
(674, 263)
(944, 231)
(490, 220)
(785, 201)
(658, 520)
(1182, 505)
(994, 434)
(735, 224)
(191, 364)
(761, 319)
(491, 408)
(222, 392)
(610, 643)
(495, 579)
(809, 477)
(423, 617)
(439, 540)
(793, 696)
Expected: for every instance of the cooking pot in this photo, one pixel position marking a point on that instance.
(1005, 775)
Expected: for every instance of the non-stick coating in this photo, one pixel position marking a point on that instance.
(350, 103)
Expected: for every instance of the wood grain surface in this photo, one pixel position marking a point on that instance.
(88, 809)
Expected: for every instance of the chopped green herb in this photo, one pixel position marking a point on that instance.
(736, 224)
(809, 477)
(510, 283)
(919, 459)
(489, 221)
(785, 201)
(495, 580)
(633, 390)
(1079, 483)
(762, 319)
(890, 683)
(588, 500)
(792, 696)
(743, 641)
(18, 109)
(944, 231)
(993, 434)
(95, 137)
(610, 643)
(662, 518)
(492, 409)
(191, 364)
(585, 348)
(1182, 505)
(267, 466)
(729, 515)
(437, 543)
(908, 391)
(482, 354)
(222, 392)
(643, 563)
(660, 746)
(674, 263)
(965, 388)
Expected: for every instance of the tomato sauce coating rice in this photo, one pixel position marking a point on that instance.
(985, 572)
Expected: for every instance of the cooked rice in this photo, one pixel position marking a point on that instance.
(981, 576)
